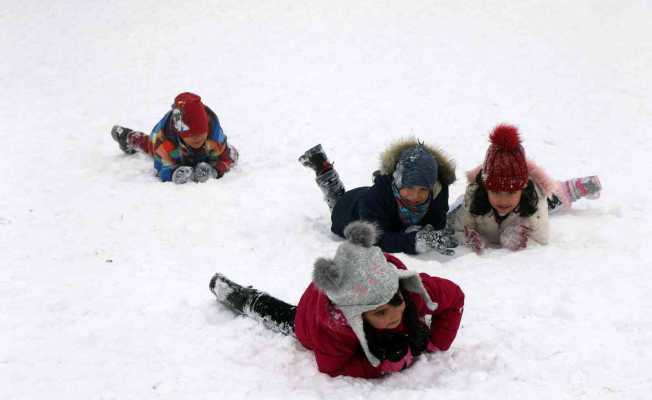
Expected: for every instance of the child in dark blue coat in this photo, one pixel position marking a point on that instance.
(408, 200)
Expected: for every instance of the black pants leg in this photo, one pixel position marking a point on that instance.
(274, 313)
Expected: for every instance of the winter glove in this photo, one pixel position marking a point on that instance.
(431, 348)
(182, 174)
(388, 366)
(387, 345)
(430, 239)
(515, 237)
(473, 239)
(203, 171)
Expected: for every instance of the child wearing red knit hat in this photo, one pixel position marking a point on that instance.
(509, 197)
(187, 143)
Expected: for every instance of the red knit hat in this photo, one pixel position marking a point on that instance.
(189, 116)
(505, 168)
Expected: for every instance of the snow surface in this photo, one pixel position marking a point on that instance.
(105, 270)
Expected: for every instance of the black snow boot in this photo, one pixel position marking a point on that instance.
(240, 299)
(328, 179)
(272, 312)
(121, 135)
(316, 159)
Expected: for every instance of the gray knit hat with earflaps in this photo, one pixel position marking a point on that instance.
(359, 279)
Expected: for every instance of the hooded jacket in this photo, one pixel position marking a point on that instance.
(321, 327)
(377, 203)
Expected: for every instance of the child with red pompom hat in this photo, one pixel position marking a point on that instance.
(187, 143)
(508, 198)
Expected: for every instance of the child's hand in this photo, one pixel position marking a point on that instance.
(430, 239)
(203, 171)
(515, 237)
(474, 240)
(431, 348)
(388, 366)
(182, 174)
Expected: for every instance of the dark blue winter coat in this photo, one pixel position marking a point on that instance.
(377, 203)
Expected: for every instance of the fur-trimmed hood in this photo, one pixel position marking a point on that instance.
(536, 173)
(390, 156)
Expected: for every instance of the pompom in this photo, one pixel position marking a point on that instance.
(505, 136)
(326, 274)
(361, 233)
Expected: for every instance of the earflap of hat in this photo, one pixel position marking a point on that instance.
(411, 281)
(353, 316)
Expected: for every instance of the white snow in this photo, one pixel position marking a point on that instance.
(105, 270)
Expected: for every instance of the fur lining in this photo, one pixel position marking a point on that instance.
(536, 173)
(390, 156)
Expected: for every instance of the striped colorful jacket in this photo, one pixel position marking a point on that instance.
(170, 152)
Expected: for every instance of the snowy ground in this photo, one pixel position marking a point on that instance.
(104, 286)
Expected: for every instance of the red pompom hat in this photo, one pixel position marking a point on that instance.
(505, 168)
(189, 117)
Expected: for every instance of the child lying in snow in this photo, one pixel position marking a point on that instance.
(508, 198)
(187, 143)
(363, 314)
(408, 200)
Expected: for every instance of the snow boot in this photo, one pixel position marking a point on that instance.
(316, 159)
(121, 135)
(272, 312)
(238, 298)
(588, 186)
(327, 179)
(570, 191)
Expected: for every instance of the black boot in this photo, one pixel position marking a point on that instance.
(316, 159)
(272, 312)
(121, 135)
(238, 298)
(328, 179)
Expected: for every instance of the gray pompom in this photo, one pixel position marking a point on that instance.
(326, 274)
(361, 233)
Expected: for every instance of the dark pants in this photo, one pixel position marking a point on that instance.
(274, 313)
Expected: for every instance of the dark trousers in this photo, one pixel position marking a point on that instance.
(274, 313)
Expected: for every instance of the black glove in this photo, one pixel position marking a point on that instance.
(387, 345)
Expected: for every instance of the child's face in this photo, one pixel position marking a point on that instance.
(413, 195)
(196, 141)
(386, 316)
(504, 202)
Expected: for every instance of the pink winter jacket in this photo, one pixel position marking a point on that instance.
(487, 226)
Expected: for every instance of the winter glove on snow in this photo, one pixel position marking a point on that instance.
(203, 172)
(182, 174)
(473, 240)
(388, 366)
(430, 239)
(387, 345)
(515, 237)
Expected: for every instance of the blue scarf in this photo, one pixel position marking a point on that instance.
(410, 215)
